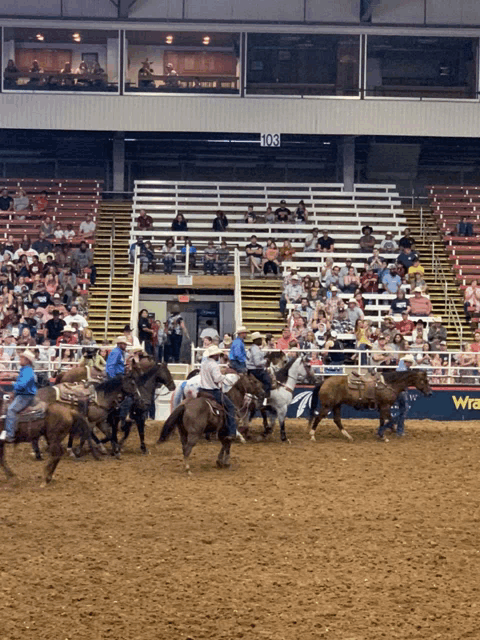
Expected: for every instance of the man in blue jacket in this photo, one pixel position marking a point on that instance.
(116, 359)
(238, 355)
(25, 388)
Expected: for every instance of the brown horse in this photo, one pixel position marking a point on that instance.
(80, 374)
(334, 392)
(200, 415)
(57, 422)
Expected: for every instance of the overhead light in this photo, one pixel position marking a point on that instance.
(169, 39)
(206, 39)
(40, 37)
(77, 37)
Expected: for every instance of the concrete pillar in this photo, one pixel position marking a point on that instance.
(112, 59)
(348, 162)
(119, 161)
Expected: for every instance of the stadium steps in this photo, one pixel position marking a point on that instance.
(435, 289)
(119, 214)
(260, 310)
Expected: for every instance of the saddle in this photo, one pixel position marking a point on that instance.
(74, 393)
(216, 408)
(365, 385)
(33, 413)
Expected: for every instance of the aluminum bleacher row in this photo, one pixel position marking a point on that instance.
(449, 204)
(329, 207)
(69, 201)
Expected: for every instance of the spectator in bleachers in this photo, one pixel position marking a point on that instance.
(391, 281)
(82, 260)
(69, 233)
(21, 202)
(400, 303)
(315, 289)
(346, 268)
(305, 310)
(283, 342)
(369, 280)
(384, 355)
(464, 228)
(326, 243)
(25, 249)
(6, 201)
(415, 269)
(40, 202)
(168, 256)
(292, 294)
(54, 327)
(387, 327)
(146, 255)
(271, 259)
(300, 216)
(311, 241)
(87, 228)
(405, 326)
(209, 258)
(332, 353)
(220, 222)
(399, 345)
(351, 281)
(144, 222)
(269, 216)
(286, 252)
(334, 278)
(406, 241)
(192, 259)
(327, 269)
(437, 331)
(367, 240)
(359, 298)
(388, 245)
(283, 213)
(376, 261)
(406, 258)
(42, 246)
(10, 82)
(333, 301)
(254, 253)
(48, 228)
(420, 305)
(250, 217)
(59, 234)
(223, 256)
(179, 223)
(472, 300)
(354, 312)
(307, 285)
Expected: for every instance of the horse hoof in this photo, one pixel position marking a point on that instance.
(312, 438)
(102, 449)
(145, 451)
(220, 464)
(71, 453)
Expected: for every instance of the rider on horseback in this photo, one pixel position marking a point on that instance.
(211, 379)
(256, 363)
(25, 389)
(116, 367)
(238, 355)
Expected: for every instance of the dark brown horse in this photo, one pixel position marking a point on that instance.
(80, 374)
(334, 392)
(199, 415)
(59, 420)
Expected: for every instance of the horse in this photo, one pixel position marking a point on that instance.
(80, 374)
(296, 370)
(334, 392)
(148, 375)
(200, 415)
(52, 420)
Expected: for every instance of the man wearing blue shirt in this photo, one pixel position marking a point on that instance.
(391, 280)
(25, 388)
(238, 355)
(116, 359)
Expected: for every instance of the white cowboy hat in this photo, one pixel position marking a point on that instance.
(212, 350)
(438, 319)
(408, 358)
(242, 329)
(135, 349)
(333, 333)
(418, 289)
(121, 339)
(28, 355)
(256, 335)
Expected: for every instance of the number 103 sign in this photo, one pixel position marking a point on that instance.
(270, 140)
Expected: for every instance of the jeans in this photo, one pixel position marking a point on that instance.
(402, 412)
(19, 403)
(262, 375)
(125, 407)
(168, 265)
(283, 304)
(209, 266)
(148, 347)
(222, 268)
(270, 265)
(225, 401)
(175, 346)
(240, 367)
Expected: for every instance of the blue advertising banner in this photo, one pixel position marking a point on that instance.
(453, 403)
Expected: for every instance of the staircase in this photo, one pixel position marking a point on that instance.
(119, 215)
(436, 289)
(260, 310)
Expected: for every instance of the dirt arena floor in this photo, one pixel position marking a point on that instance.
(296, 541)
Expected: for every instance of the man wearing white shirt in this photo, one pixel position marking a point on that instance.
(74, 316)
(87, 228)
(209, 332)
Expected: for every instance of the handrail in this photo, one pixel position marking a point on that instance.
(238, 288)
(110, 283)
(450, 308)
(135, 292)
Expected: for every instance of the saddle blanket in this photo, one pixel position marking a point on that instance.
(72, 393)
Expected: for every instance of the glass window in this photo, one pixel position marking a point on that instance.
(290, 64)
(182, 62)
(60, 60)
(418, 67)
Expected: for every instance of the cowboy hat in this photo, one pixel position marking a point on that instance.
(438, 319)
(227, 340)
(135, 349)
(417, 290)
(28, 355)
(256, 335)
(212, 350)
(367, 226)
(242, 329)
(408, 358)
(121, 339)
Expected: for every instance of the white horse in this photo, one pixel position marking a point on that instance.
(189, 388)
(297, 370)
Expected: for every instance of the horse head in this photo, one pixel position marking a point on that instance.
(304, 371)
(421, 383)
(164, 377)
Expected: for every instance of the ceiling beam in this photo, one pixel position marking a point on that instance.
(124, 7)
(366, 9)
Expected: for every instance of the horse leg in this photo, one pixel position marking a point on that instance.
(70, 450)
(324, 411)
(114, 438)
(281, 419)
(126, 428)
(36, 449)
(223, 460)
(140, 420)
(8, 472)
(337, 418)
(55, 450)
(386, 422)
(265, 414)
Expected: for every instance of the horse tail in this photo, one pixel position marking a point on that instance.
(171, 422)
(314, 403)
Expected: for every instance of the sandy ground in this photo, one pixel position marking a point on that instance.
(299, 541)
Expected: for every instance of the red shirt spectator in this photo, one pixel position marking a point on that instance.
(144, 222)
(405, 326)
(369, 281)
(283, 343)
(420, 305)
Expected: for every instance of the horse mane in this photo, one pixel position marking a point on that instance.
(282, 374)
(193, 373)
(113, 384)
(395, 376)
(148, 374)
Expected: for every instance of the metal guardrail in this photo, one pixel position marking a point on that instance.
(110, 282)
(238, 289)
(135, 293)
